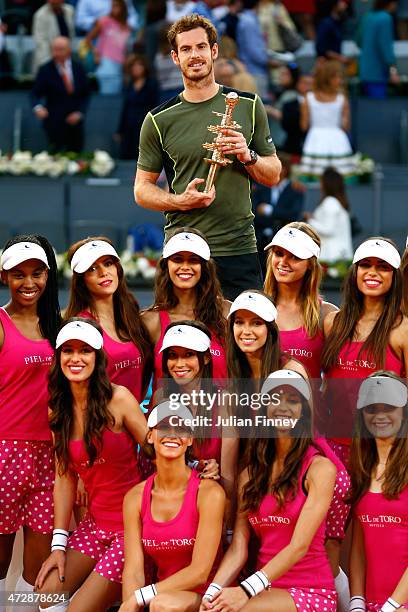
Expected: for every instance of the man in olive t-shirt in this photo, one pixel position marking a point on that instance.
(172, 137)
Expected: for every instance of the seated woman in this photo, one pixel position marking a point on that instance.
(95, 426)
(285, 493)
(173, 518)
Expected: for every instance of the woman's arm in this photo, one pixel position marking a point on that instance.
(357, 561)
(345, 115)
(133, 572)
(211, 506)
(151, 319)
(126, 409)
(304, 116)
(229, 464)
(400, 594)
(92, 34)
(328, 322)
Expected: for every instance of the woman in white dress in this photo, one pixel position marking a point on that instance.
(325, 114)
(331, 218)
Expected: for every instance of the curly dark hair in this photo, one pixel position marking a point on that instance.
(98, 416)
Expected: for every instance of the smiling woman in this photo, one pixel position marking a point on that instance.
(28, 329)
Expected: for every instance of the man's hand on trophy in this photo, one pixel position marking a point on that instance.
(234, 143)
(193, 198)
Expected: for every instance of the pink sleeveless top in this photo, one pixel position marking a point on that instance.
(274, 528)
(125, 365)
(300, 346)
(170, 544)
(216, 349)
(24, 368)
(341, 397)
(385, 529)
(114, 472)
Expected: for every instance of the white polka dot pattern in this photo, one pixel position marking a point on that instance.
(314, 600)
(26, 486)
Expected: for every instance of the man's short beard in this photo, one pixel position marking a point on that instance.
(198, 78)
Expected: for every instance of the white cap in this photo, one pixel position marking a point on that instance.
(22, 251)
(295, 241)
(286, 377)
(188, 337)
(167, 409)
(380, 249)
(187, 241)
(80, 330)
(89, 252)
(382, 390)
(254, 302)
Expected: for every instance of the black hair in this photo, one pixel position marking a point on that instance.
(48, 308)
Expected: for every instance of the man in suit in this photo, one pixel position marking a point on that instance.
(54, 18)
(60, 98)
(275, 207)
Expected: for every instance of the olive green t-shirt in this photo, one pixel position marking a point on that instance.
(172, 136)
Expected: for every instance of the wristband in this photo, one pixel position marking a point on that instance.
(255, 584)
(193, 464)
(357, 604)
(212, 590)
(390, 605)
(230, 533)
(59, 540)
(145, 595)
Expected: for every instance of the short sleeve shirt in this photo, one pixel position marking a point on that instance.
(172, 138)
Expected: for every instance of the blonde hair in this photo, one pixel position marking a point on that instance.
(309, 291)
(323, 75)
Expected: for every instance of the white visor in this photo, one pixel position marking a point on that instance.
(187, 241)
(80, 330)
(186, 336)
(256, 303)
(286, 377)
(295, 241)
(382, 390)
(380, 249)
(88, 253)
(22, 251)
(167, 409)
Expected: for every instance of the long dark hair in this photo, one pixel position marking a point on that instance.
(123, 11)
(128, 322)
(404, 272)
(205, 375)
(237, 363)
(346, 320)
(98, 416)
(364, 456)
(209, 301)
(332, 184)
(48, 308)
(259, 459)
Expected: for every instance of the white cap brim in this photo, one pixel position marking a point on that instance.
(256, 303)
(189, 242)
(168, 409)
(380, 249)
(22, 251)
(286, 377)
(186, 336)
(382, 390)
(88, 253)
(80, 330)
(295, 241)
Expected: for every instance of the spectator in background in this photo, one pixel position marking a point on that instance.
(229, 23)
(290, 121)
(329, 35)
(155, 20)
(113, 34)
(89, 11)
(230, 71)
(60, 98)
(402, 19)
(274, 17)
(331, 218)
(51, 20)
(178, 8)
(252, 47)
(167, 73)
(325, 113)
(276, 206)
(140, 96)
(377, 57)
(302, 12)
